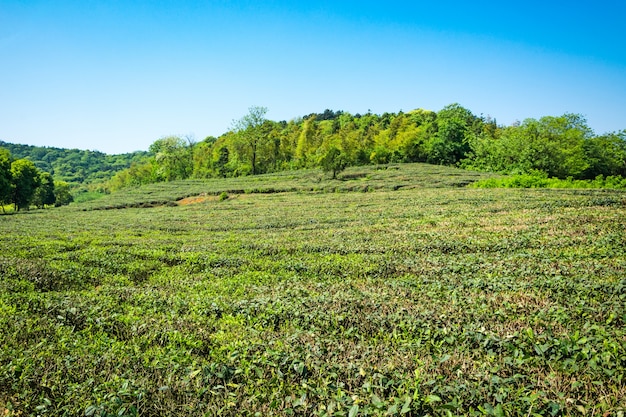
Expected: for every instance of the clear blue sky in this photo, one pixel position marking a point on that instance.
(116, 75)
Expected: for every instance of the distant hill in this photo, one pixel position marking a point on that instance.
(74, 165)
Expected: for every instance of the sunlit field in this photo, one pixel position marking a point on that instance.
(394, 294)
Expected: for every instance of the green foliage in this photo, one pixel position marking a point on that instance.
(251, 135)
(557, 146)
(45, 194)
(75, 166)
(25, 179)
(5, 177)
(173, 157)
(418, 301)
(333, 161)
(450, 144)
(606, 155)
(62, 194)
(540, 180)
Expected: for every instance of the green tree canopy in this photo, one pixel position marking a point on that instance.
(25, 180)
(334, 161)
(44, 194)
(5, 177)
(62, 194)
(174, 156)
(250, 134)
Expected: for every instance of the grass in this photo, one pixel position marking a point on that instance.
(430, 299)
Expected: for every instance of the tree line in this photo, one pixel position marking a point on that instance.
(23, 184)
(75, 166)
(557, 146)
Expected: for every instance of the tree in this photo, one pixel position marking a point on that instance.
(307, 141)
(557, 146)
(174, 157)
(560, 145)
(606, 155)
(249, 130)
(62, 194)
(25, 180)
(334, 161)
(5, 177)
(455, 126)
(44, 194)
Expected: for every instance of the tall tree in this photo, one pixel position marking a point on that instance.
(174, 157)
(25, 180)
(62, 194)
(455, 125)
(249, 130)
(5, 177)
(44, 194)
(606, 155)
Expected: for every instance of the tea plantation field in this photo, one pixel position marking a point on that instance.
(382, 294)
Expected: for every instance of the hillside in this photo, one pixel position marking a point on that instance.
(360, 179)
(73, 165)
(391, 291)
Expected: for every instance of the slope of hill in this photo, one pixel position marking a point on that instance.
(417, 297)
(360, 179)
(74, 165)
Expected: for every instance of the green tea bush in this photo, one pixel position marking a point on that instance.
(427, 300)
(539, 180)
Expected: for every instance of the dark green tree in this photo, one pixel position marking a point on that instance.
(25, 180)
(557, 146)
(62, 194)
(606, 155)
(450, 143)
(5, 177)
(222, 162)
(44, 194)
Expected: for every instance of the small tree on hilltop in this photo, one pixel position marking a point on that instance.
(334, 161)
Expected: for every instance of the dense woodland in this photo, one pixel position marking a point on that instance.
(46, 176)
(559, 147)
(75, 166)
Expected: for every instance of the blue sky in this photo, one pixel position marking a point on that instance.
(117, 75)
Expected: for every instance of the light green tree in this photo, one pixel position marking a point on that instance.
(174, 157)
(333, 161)
(308, 141)
(250, 134)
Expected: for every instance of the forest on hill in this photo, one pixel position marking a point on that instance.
(75, 166)
(553, 146)
(561, 147)
(46, 176)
